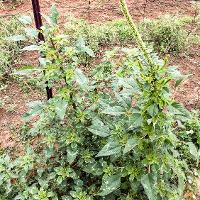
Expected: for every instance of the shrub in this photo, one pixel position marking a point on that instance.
(166, 34)
(105, 136)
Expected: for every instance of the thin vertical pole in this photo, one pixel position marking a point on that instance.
(38, 24)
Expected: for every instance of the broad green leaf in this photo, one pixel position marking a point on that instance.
(147, 183)
(174, 72)
(35, 104)
(153, 110)
(16, 38)
(131, 144)
(178, 109)
(181, 184)
(59, 180)
(111, 148)
(31, 32)
(80, 43)
(109, 184)
(26, 70)
(114, 111)
(135, 121)
(31, 48)
(172, 138)
(193, 150)
(178, 82)
(43, 183)
(129, 85)
(43, 61)
(71, 154)
(18, 197)
(25, 20)
(81, 46)
(94, 168)
(81, 79)
(89, 51)
(60, 108)
(176, 75)
(36, 107)
(99, 128)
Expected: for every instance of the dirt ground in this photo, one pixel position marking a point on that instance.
(98, 11)
(101, 10)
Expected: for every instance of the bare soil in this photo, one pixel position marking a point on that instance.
(101, 10)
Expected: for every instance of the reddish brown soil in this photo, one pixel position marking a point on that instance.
(11, 114)
(97, 12)
(189, 91)
(15, 100)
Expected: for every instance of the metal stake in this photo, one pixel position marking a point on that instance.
(38, 24)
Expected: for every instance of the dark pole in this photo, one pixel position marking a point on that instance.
(38, 24)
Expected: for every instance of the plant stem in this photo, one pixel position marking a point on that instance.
(136, 33)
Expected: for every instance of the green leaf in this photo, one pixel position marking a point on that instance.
(60, 108)
(153, 110)
(99, 128)
(111, 148)
(174, 72)
(109, 184)
(36, 108)
(71, 154)
(59, 180)
(26, 70)
(89, 51)
(114, 111)
(136, 120)
(147, 183)
(18, 197)
(81, 46)
(25, 20)
(176, 75)
(181, 183)
(31, 48)
(81, 79)
(43, 61)
(94, 168)
(178, 82)
(178, 109)
(54, 14)
(80, 43)
(16, 38)
(131, 144)
(193, 150)
(31, 32)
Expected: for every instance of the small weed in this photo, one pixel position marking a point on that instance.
(9, 50)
